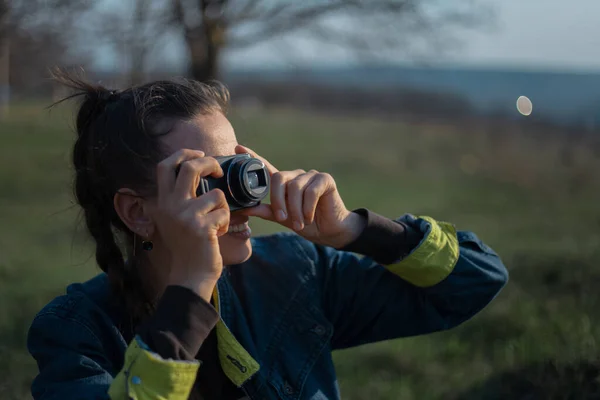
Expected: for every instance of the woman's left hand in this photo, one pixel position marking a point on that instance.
(308, 203)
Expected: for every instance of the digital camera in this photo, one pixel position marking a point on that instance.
(245, 181)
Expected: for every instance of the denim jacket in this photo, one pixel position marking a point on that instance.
(282, 313)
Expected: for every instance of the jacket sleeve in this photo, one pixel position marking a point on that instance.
(73, 363)
(401, 289)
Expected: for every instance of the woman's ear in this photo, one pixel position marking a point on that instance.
(130, 208)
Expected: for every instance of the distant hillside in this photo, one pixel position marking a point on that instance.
(566, 98)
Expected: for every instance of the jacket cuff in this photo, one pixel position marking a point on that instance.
(146, 375)
(180, 324)
(434, 258)
(384, 240)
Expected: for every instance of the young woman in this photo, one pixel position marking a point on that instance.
(190, 306)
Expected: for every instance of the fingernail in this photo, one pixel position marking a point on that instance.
(281, 215)
(297, 225)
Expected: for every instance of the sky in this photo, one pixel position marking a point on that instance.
(553, 33)
(533, 34)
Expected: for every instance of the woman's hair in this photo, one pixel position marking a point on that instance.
(118, 146)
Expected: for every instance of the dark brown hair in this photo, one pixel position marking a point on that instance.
(118, 146)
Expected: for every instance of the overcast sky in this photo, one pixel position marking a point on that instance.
(531, 33)
(555, 33)
(547, 34)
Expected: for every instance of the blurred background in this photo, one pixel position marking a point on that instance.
(410, 104)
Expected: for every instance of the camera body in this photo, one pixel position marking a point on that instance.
(245, 181)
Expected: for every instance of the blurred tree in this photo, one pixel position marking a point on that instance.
(34, 35)
(58, 29)
(3, 17)
(139, 48)
(131, 31)
(4, 57)
(366, 27)
(32, 54)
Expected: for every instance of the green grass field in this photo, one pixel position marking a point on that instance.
(535, 199)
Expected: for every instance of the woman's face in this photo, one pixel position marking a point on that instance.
(214, 135)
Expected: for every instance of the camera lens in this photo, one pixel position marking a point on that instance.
(252, 180)
(248, 180)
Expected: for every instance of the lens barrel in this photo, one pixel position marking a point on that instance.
(248, 180)
(245, 182)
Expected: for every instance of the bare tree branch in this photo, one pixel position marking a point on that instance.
(366, 27)
(4, 10)
(131, 33)
(359, 14)
(244, 11)
(178, 14)
(278, 22)
(383, 35)
(286, 12)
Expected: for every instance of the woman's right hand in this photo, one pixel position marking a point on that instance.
(190, 226)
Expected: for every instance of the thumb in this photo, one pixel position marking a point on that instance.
(263, 211)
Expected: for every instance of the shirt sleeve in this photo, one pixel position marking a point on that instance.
(384, 240)
(160, 362)
(180, 324)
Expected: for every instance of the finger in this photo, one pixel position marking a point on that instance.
(218, 220)
(263, 211)
(208, 202)
(319, 185)
(295, 196)
(278, 192)
(165, 170)
(190, 173)
(239, 149)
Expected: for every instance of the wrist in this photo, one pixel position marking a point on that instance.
(353, 225)
(203, 287)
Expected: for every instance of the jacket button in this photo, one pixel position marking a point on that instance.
(136, 380)
(288, 389)
(318, 330)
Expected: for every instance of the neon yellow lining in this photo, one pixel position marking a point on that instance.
(433, 260)
(147, 376)
(237, 363)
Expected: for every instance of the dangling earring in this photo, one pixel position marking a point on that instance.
(147, 245)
